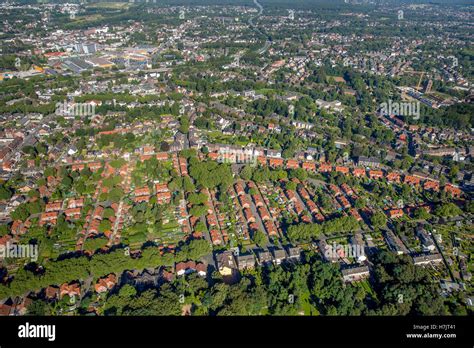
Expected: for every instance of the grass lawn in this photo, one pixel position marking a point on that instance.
(364, 284)
(264, 91)
(306, 306)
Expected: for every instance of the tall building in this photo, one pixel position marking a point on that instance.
(87, 48)
(428, 86)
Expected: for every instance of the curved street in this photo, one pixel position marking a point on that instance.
(268, 42)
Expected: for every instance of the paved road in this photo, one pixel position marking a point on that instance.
(117, 222)
(268, 42)
(440, 250)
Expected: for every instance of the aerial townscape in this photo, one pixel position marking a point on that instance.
(236, 158)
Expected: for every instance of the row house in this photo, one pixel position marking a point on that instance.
(106, 283)
(244, 202)
(183, 166)
(16, 226)
(393, 177)
(213, 156)
(142, 191)
(43, 191)
(147, 150)
(344, 202)
(75, 203)
(309, 166)
(354, 213)
(431, 185)
(253, 227)
(343, 170)
(262, 211)
(427, 259)
(290, 194)
(264, 258)
(50, 217)
(246, 261)
(55, 206)
(395, 213)
(270, 228)
(183, 268)
(358, 172)
(275, 162)
(98, 212)
(375, 174)
(325, 167)
(77, 167)
(215, 237)
(292, 164)
(52, 181)
(257, 199)
(183, 213)
(452, 190)
(335, 190)
(141, 199)
(239, 189)
(312, 207)
(94, 227)
(248, 215)
(299, 208)
(347, 190)
(211, 220)
(163, 197)
(279, 256)
(175, 161)
(145, 157)
(395, 243)
(411, 180)
(161, 187)
(94, 166)
(191, 267)
(208, 205)
(73, 213)
(251, 185)
(162, 156)
(355, 273)
(303, 193)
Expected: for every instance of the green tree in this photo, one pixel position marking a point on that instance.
(378, 220)
(246, 172)
(259, 238)
(5, 192)
(105, 225)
